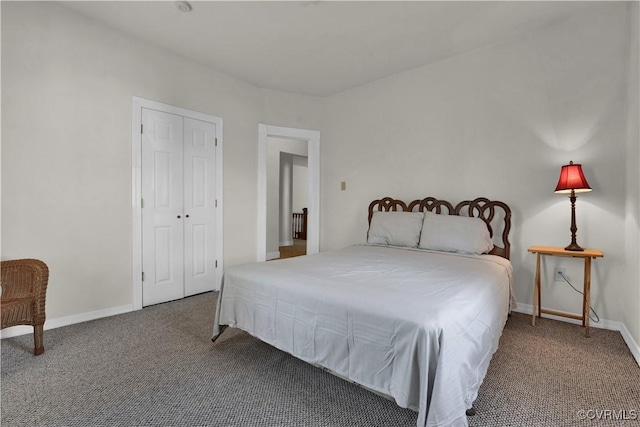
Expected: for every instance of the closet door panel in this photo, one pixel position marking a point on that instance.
(199, 206)
(162, 194)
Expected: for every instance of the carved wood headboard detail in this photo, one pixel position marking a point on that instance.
(497, 215)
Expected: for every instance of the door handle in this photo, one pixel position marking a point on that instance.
(187, 216)
(178, 216)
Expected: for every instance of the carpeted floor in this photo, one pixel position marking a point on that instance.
(158, 367)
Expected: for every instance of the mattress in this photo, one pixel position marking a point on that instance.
(417, 326)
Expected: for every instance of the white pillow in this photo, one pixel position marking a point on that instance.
(453, 233)
(395, 228)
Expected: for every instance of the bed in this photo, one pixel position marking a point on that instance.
(415, 314)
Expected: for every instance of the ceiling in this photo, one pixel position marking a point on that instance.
(324, 47)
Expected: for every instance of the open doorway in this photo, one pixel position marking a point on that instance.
(288, 183)
(287, 198)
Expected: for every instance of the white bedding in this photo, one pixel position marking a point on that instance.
(416, 325)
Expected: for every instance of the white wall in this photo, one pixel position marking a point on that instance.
(499, 122)
(286, 212)
(67, 83)
(300, 190)
(630, 294)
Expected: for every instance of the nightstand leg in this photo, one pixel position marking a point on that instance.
(586, 308)
(536, 293)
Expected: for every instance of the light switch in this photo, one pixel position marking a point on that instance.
(343, 185)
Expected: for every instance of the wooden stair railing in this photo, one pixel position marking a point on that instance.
(300, 225)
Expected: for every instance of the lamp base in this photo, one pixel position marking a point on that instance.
(574, 247)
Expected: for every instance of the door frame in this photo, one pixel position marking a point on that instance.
(137, 104)
(312, 138)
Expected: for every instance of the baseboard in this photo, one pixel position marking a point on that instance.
(272, 255)
(59, 322)
(633, 346)
(603, 324)
(287, 243)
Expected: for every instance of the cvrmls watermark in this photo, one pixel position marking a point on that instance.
(608, 414)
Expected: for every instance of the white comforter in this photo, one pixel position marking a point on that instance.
(418, 326)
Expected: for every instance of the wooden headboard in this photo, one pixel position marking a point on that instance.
(497, 215)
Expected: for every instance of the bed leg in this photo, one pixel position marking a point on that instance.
(222, 329)
(471, 412)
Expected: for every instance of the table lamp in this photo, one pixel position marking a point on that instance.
(572, 181)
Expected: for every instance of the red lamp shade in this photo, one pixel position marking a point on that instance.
(572, 178)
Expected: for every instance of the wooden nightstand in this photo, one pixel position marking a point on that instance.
(587, 255)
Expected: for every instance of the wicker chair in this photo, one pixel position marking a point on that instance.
(24, 288)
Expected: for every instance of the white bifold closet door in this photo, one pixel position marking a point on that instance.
(178, 211)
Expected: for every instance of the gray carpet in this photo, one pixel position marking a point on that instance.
(158, 367)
